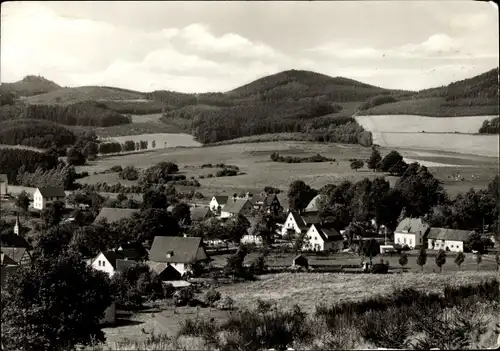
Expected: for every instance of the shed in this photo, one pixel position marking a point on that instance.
(300, 261)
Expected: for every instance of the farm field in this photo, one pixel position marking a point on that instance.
(259, 171)
(141, 124)
(162, 140)
(310, 289)
(431, 133)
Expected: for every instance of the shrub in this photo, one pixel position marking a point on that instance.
(183, 296)
(129, 173)
(225, 303)
(212, 296)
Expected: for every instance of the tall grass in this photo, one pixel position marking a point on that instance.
(457, 318)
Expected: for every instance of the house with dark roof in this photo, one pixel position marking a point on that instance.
(111, 262)
(179, 252)
(46, 195)
(4, 185)
(199, 213)
(447, 239)
(16, 255)
(133, 251)
(112, 215)
(237, 207)
(296, 223)
(11, 239)
(218, 202)
(411, 232)
(268, 203)
(323, 238)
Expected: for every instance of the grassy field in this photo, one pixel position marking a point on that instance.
(305, 289)
(430, 133)
(310, 289)
(285, 259)
(260, 171)
(141, 124)
(79, 94)
(162, 140)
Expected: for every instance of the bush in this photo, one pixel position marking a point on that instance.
(212, 296)
(226, 303)
(183, 296)
(129, 173)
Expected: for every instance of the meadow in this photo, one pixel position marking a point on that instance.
(259, 171)
(284, 290)
(452, 134)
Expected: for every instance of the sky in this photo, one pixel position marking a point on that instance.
(197, 47)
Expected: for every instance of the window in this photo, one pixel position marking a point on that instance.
(404, 240)
(410, 242)
(103, 263)
(99, 262)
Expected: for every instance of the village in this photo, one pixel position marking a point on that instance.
(176, 259)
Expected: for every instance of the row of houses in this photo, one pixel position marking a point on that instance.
(231, 206)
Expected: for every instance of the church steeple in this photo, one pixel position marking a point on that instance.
(17, 225)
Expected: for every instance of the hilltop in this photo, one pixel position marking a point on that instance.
(473, 96)
(286, 102)
(29, 86)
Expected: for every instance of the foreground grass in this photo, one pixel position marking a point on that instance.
(452, 318)
(308, 289)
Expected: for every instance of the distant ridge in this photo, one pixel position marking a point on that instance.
(28, 86)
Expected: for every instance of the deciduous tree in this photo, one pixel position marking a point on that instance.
(55, 304)
(459, 259)
(441, 259)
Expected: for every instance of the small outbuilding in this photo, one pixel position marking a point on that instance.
(301, 261)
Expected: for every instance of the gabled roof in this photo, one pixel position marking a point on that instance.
(164, 270)
(328, 233)
(312, 206)
(133, 250)
(258, 198)
(269, 200)
(199, 213)
(11, 239)
(52, 191)
(448, 234)
(120, 264)
(412, 226)
(236, 206)
(115, 214)
(183, 249)
(15, 254)
(221, 199)
(111, 257)
(4, 178)
(6, 260)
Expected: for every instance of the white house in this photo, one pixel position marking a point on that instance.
(177, 252)
(218, 202)
(4, 185)
(320, 238)
(251, 239)
(237, 207)
(447, 239)
(411, 232)
(296, 223)
(46, 195)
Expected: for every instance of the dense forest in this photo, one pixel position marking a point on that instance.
(14, 161)
(473, 96)
(36, 133)
(490, 127)
(79, 114)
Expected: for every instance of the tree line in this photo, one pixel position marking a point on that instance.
(276, 157)
(35, 133)
(88, 113)
(490, 126)
(14, 160)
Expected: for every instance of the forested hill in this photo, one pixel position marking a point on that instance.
(28, 86)
(473, 96)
